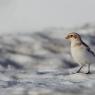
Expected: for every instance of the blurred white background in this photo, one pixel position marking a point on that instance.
(28, 15)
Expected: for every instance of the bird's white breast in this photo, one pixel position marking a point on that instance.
(81, 55)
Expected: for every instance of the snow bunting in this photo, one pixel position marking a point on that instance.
(80, 51)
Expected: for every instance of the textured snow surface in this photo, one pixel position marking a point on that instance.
(40, 63)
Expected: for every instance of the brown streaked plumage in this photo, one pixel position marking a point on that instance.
(76, 36)
(81, 52)
(73, 35)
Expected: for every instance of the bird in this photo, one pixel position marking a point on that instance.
(80, 51)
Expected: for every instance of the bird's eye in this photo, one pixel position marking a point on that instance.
(71, 35)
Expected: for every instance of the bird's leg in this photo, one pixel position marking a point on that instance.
(80, 68)
(88, 69)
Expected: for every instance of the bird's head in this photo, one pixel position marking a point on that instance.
(73, 37)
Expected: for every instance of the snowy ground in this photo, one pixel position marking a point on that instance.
(40, 63)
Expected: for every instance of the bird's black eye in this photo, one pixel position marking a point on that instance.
(71, 35)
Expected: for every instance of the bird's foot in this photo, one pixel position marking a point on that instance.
(88, 72)
(78, 71)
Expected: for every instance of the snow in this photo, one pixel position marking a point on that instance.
(40, 63)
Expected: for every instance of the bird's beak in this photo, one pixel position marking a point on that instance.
(67, 37)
